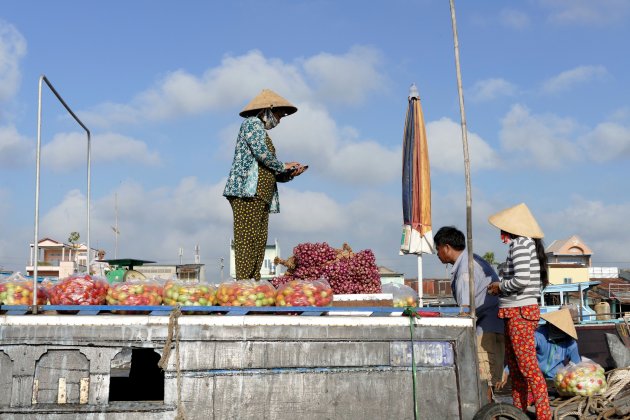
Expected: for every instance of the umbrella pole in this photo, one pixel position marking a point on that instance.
(420, 281)
(469, 239)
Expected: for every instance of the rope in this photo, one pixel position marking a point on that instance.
(561, 405)
(412, 314)
(597, 405)
(173, 330)
(617, 380)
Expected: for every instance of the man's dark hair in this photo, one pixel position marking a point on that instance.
(450, 235)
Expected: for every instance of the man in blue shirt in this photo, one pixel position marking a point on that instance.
(450, 244)
(556, 343)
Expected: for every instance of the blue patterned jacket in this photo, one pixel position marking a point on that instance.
(251, 149)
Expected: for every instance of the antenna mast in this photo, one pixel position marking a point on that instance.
(115, 227)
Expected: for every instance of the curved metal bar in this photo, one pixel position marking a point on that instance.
(43, 79)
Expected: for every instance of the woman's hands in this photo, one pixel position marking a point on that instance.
(494, 289)
(295, 168)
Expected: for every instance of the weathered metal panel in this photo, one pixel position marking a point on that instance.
(257, 354)
(98, 393)
(263, 367)
(6, 378)
(24, 359)
(426, 353)
(197, 394)
(59, 374)
(333, 394)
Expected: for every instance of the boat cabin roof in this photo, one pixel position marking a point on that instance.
(570, 287)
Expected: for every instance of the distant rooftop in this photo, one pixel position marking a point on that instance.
(603, 272)
(570, 246)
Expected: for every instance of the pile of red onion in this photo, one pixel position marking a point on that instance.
(346, 271)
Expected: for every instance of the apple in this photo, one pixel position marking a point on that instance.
(79, 289)
(246, 293)
(404, 301)
(305, 293)
(403, 295)
(583, 379)
(17, 290)
(135, 293)
(188, 294)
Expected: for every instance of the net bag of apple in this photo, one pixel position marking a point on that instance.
(47, 284)
(403, 295)
(305, 293)
(135, 293)
(189, 293)
(583, 379)
(18, 290)
(79, 289)
(246, 293)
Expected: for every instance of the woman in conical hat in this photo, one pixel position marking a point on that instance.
(251, 185)
(523, 276)
(556, 343)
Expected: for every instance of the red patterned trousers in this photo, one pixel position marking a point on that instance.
(528, 382)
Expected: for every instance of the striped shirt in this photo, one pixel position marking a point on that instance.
(520, 278)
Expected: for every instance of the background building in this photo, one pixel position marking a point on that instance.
(568, 261)
(186, 272)
(57, 259)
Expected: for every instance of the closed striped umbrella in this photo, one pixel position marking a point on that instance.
(416, 185)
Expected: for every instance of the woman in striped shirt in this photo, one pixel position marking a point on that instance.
(523, 277)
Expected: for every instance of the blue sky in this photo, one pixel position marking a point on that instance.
(160, 85)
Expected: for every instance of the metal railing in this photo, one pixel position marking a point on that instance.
(164, 310)
(42, 80)
(621, 292)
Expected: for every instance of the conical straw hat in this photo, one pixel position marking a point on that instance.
(562, 320)
(517, 220)
(267, 98)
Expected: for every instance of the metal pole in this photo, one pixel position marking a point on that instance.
(469, 239)
(420, 282)
(37, 162)
(89, 195)
(43, 79)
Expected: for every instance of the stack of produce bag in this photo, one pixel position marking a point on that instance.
(403, 295)
(18, 290)
(135, 293)
(584, 379)
(347, 272)
(79, 289)
(305, 293)
(187, 293)
(246, 293)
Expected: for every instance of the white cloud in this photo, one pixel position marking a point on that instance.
(68, 216)
(608, 141)
(347, 78)
(366, 163)
(15, 149)
(446, 151)
(549, 141)
(568, 79)
(312, 137)
(153, 224)
(515, 19)
(490, 89)
(621, 115)
(68, 151)
(586, 12)
(602, 226)
(541, 140)
(309, 212)
(12, 50)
